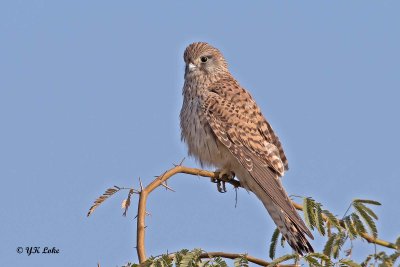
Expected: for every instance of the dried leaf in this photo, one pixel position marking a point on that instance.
(127, 202)
(109, 192)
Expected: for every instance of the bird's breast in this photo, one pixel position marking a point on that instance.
(198, 135)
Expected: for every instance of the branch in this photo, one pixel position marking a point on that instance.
(232, 256)
(143, 195)
(159, 181)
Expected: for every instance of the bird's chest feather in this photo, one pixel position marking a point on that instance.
(197, 134)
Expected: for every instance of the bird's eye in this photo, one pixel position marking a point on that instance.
(204, 59)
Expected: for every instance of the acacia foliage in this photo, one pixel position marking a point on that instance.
(358, 221)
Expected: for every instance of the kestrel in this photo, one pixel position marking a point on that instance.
(223, 127)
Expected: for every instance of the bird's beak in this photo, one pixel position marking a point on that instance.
(191, 66)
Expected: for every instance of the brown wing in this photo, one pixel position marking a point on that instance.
(236, 106)
(237, 122)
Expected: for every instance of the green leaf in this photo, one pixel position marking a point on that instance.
(332, 219)
(329, 245)
(367, 201)
(394, 256)
(367, 218)
(367, 210)
(205, 263)
(398, 243)
(179, 255)
(352, 232)
(166, 260)
(338, 243)
(349, 263)
(219, 262)
(386, 261)
(282, 259)
(320, 256)
(308, 210)
(241, 262)
(319, 221)
(358, 224)
(367, 260)
(191, 258)
(274, 241)
(149, 262)
(313, 257)
(312, 261)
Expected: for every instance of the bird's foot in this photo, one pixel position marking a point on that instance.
(223, 177)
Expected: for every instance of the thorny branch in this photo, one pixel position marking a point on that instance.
(160, 181)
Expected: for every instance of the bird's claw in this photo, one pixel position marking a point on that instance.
(224, 176)
(221, 189)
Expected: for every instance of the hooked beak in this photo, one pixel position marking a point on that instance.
(191, 66)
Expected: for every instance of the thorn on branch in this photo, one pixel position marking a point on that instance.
(141, 185)
(161, 176)
(167, 187)
(180, 164)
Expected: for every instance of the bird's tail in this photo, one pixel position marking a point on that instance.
(287, 220)
(289, 229)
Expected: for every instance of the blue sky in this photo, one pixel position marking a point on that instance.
(90, 94)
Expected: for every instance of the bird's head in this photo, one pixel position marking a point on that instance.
(203, 59)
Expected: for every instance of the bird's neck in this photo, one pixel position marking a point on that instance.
(195, 83)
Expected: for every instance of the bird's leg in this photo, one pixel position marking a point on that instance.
(223, 177)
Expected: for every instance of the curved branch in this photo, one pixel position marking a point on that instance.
(144, 193)
(232, 256)
(159, 181)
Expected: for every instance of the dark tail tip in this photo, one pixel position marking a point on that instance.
(302, 247)
(298, 241)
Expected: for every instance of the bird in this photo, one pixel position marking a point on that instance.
(223, 127)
